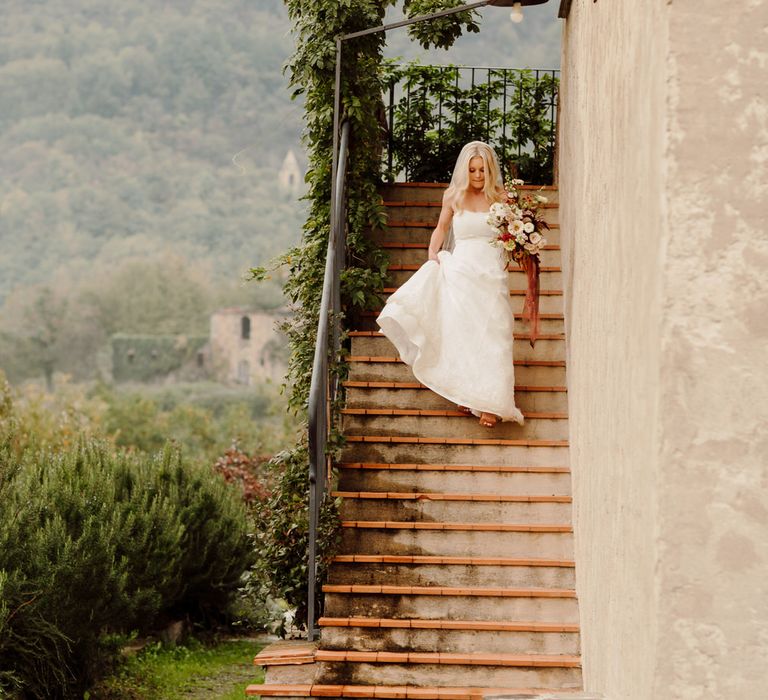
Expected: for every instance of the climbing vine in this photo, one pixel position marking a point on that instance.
(311, 69)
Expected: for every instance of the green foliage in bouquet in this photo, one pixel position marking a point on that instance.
(282, 563)
(94, 543)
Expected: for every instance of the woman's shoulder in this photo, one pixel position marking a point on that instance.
(449, 201)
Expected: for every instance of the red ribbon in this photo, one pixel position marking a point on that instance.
(530, 264)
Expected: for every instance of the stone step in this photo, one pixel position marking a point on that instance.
(548, 323)
(367, 394)
(414, 191)
(388, 668)
(421, 570)
(436, 478)
(540, 604)
(381, 537)
(448, 636)
(433, 191)
(550, 277)
(532, 376)
(550, 300)
(416, 254)
(549, 347)
(389, 448)
(288, 662)
(407, 210)
(435, 507)
(420, 230)
(425, 424)
(412, 692)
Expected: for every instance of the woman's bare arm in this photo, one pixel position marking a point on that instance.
(441, 230)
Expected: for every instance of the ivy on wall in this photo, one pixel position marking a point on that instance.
(145, 357)
(283, 540)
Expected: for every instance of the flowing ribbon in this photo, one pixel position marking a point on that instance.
(530, 264)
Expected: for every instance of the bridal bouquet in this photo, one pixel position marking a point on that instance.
(518, 224)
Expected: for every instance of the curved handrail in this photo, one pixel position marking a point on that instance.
(320, 391)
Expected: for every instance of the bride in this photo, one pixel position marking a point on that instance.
(453, 320)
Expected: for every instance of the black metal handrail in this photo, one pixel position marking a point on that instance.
(322, 391)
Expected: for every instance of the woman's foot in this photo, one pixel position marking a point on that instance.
(488, 419)
(465, 409)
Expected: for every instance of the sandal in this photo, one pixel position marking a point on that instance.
(486, 421)
(465, 409)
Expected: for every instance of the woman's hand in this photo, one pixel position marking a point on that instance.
(442, 228)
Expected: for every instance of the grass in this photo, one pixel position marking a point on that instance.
(193, 671)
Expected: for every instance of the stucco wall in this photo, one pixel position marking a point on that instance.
(611, 209)
(663, 186)
(713, 476)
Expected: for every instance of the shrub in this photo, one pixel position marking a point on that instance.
(282, 536)
(240, 469)
(93, 542)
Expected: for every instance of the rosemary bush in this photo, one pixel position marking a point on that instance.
(94, 543)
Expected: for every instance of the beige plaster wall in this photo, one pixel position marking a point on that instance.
(713, 475)
(611, 194)
(663, 184)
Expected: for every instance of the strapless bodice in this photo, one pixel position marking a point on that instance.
(468, 225)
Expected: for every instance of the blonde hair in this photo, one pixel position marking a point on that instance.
(493, 187)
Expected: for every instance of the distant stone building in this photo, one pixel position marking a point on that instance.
(244, 346)
(290, 175)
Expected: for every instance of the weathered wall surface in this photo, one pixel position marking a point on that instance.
(663, 182)
(611, 194)
(713, 475)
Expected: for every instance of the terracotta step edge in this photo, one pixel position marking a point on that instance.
(512, 292)
(396, 358)
(434, 203)
(514, 469)
(411, 692)
(449, 561)
(440, 413)
(424, 246)
(407, 267)
(500, 442)
(371, 384)
(286, 653)
(441, 658)
(451, 526)
(519, 336)
(412, 223)
(463, 591)
(443, 185)
(456, 625)
(473, 497)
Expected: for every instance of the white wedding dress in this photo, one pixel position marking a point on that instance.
(453, 322)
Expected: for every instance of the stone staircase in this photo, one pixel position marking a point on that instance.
(456, 573)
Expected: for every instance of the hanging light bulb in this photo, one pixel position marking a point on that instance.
(517, 13)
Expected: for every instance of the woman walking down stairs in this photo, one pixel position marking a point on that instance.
(456, 573)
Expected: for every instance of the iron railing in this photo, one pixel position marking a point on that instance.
(322, 391)
(432, 111)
